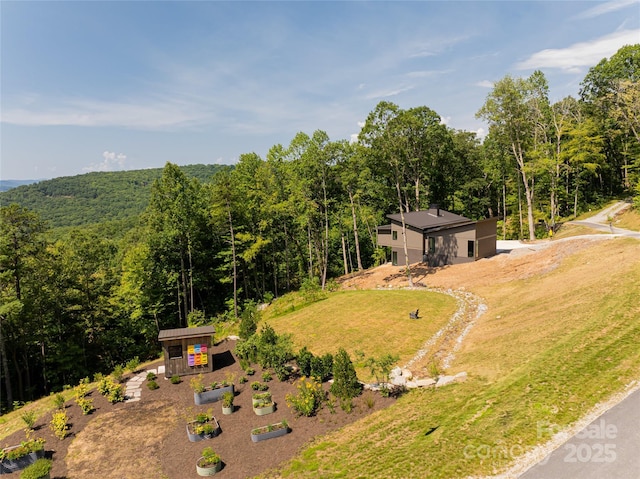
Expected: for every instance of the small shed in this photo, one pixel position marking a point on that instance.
(187, 350)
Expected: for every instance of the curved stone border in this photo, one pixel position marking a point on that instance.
(470, 308)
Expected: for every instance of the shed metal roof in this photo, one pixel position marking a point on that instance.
(184, 333)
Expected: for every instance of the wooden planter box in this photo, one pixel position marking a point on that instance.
(277, 432)
(212, 395)
(199, 437)
(7, 466)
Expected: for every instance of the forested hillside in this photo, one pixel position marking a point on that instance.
(94, 197)
(203, 251)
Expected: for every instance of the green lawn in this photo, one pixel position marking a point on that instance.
(375, 322)
(547, 351)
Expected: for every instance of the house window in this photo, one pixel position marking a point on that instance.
(471, 249)
(394, 235)
(432, 244)
(175, 352)
(394, 258)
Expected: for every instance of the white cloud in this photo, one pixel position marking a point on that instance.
(426, 73)
(580, 55)
(606, 7)
(434, 46)
(111, 162)
(353, 138)
(485, 84)
(151, 115)
(444, 120)
(388, 93)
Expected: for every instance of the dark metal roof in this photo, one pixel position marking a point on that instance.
(431, 219)
(183, 333)
(384, 229)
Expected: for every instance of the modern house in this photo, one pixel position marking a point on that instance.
(437, 237)
(187, 350)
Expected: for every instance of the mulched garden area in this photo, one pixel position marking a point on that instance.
(148, 438)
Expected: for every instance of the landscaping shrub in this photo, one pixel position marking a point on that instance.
(113, 391)
(118, 373)
(304, 361)
(82, 389)
(58, 401)
(103, 385)
(266, 348)
(308, 399)
(29, 418)
(345, 381)
(151, 376)
(381, 369)
(175, 379)
(322, 367)
(249, 321)
(85, 404)
(58, 424)
(116, 394)
(133, 365)
(266, 376)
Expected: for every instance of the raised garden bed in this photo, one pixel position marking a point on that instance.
(197, 431)
(270, 432)
(16, 458)
(211, 395)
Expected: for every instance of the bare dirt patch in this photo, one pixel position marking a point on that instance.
(540, 258)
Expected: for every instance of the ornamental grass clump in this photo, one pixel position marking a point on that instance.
(308, 399)
(38, 470)
(29, 418)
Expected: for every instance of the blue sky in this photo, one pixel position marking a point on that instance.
(103, 86)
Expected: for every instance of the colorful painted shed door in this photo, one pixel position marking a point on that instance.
(197, 355)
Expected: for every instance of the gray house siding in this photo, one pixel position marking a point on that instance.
(437, 238)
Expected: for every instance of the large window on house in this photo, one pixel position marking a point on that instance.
(175, 352)
(394, 235)
(394, 258)
(432, 244)
(471, 249)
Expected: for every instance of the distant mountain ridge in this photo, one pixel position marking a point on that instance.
(95, 197)
(6, 185)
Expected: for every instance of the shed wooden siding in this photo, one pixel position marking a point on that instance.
(183, 338)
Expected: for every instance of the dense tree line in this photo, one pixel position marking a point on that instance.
(81, 301)
(94, 197)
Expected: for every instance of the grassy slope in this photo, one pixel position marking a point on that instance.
(630, 220)
(549, 348)
(375, 322)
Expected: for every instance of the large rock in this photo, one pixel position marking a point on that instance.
(461, 377)
(395, 372)
(444, 380)
(399, 381)
(425, 383)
